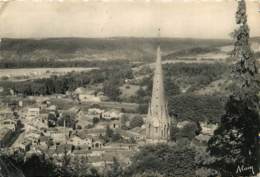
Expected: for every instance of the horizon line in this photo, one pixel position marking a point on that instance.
(111, 37)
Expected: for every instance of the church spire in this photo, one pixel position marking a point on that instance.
(159, 36)
(158, 97)
(158, 120)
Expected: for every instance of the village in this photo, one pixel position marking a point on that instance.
(82, 123)
(44, 129)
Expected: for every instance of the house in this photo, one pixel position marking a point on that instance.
(108, 115)
(84, 122)
(182, 124)
(95, 112)
(77, 141)
(97, 144)
(33, 136)
(51, 108)
(24, 146)
(20, 103)
(94, 132)
(33, 113)
(208, 129)
(128, 135)
(38, 122)
(58, 134)
(115, 124)
(10, 124)
(60, 150)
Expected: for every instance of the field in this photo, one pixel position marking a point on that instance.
(33, 73)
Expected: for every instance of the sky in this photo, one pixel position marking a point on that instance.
(76, 18)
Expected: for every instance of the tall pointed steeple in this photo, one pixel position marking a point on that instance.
(158, 121)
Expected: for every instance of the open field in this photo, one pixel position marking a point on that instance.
(32, 73)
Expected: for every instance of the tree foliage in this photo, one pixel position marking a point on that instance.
(245, 68)
(112, 74)
(235, 142)
(177, 161)
(136, 121)
(188, 131)
(115, 170)
(35, 165)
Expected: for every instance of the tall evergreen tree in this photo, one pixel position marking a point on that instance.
(245, 69)
(234, 146)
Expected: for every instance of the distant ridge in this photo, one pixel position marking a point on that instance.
(112, 43)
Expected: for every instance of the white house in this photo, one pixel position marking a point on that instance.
(33, 113)
(111, 114)
(10, 124)
(208, 129)
(95, 111)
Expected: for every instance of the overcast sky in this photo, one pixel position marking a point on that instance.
(210, 19)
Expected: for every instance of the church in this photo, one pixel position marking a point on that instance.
(158, 122)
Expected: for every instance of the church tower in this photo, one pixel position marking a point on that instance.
(158, 121)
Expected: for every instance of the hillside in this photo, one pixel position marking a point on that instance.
(97, 48)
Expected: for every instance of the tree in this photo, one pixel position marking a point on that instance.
(80, 167)
(235, 142)
(116, 137)
(41, 167)
(109, 131)
(95, 120)
(245, 69)
(177, 161)
(116, 169)
(124, 119)
(148, 174)
(66, 168)
(8, 169)
(111, 136)
(188, 131)
(69, 120)
(137, 121)
(111, 89)
(52, 120)
(35, 165)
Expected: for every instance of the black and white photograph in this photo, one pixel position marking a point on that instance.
(129, 88)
